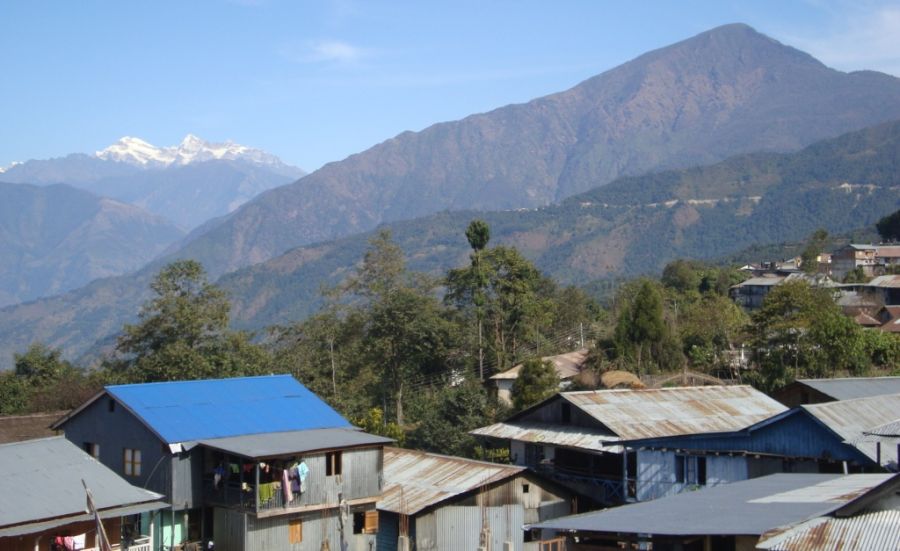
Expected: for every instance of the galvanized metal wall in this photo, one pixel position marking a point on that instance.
(187, 479)
(361, 477)
(657, 478)
(795, 435)
(273, 533)
(228, 529)
(502, 509)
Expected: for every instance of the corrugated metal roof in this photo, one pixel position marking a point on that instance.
(884, 281)
(875, 531)
(42, 481)
(848, 388)
(567, 436)
(274, 444)
(851, 419)
(761, 281)
(566, 365)
(182, 411)
(15, 428)
(887, 429)
(415, 480)
(888, 251)
(749, 507)
(652, 413)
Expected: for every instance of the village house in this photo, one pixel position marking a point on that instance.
(751, 294)
(44, 493)
(833, 437)
(251, 463)
(817, 391)
(769, 512)
(436, 502)
(578, 438)
(567, 366)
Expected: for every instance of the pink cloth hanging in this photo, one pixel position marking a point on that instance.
(286, 487)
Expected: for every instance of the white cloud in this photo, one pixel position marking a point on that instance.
(325, 51)
(858, 39)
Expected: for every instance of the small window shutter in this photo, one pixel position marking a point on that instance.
(371, 526)
(296, 530)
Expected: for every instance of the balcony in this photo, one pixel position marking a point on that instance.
(267, 497)
(142, 543)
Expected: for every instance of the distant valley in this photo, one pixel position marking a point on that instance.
(56, 238)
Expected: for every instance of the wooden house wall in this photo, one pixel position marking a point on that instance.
(119, 429)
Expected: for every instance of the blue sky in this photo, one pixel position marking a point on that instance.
(314, 82)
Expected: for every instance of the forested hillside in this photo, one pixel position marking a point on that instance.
(632, 226)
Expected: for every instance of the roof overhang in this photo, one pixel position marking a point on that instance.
(48, 524)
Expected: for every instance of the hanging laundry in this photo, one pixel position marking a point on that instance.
(286, 487)
(266, 492)
(302, 472)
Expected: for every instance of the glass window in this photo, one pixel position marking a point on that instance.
(132, 462)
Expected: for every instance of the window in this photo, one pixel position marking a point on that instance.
(690, 470)
(365, 522)
(566, 412)
(701, 471)
(525, 488)
(295, 528)
(332, 463)
(92, 449)
(132, 462)
(679, 469)
(111, 404)
(557, 544)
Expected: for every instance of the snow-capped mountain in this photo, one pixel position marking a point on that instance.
(136, 151)
(188, 183)
(11, 165)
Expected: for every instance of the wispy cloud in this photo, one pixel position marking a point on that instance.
(325, 51)
(860, 37)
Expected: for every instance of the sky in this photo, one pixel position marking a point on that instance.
(314, 82)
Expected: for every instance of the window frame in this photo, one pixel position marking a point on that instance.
(131, 461)
(334, 463)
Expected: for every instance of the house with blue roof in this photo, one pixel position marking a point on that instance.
(250, 463)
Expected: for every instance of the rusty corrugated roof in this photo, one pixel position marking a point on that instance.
(653, 413)
(415, 480)
(566, 365)
(567, 436)
(875, 531)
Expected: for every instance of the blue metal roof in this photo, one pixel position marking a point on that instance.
(181, 411)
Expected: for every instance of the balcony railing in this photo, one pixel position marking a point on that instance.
(248, 497)
(142, 543)
(611, 490)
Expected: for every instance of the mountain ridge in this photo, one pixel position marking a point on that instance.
(727, 91)
(630, 227)
(57, 238)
